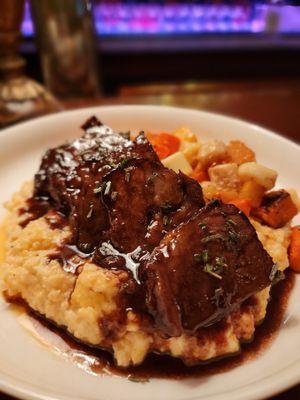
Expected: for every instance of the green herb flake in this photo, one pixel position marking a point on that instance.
(107, 188)
(220, 261)
(230, 222)
(234, 236)
(124, 162)
(218, 292)
(205, 256)
(127, 176)
(137, 379)
(90, 213)
(127, 173)
(202, 226)
(209, 269)
(98, 189)
(165, 220)
(213, 238)
(220, 265)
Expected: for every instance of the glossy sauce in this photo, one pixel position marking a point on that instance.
(70, 258)
(101, 363)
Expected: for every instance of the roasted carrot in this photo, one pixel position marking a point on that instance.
(239, 153)
(164, 144)
(253, 192)
(276, 209)
(199, 173)
(294, 249)
(243, 204)
(200, 176)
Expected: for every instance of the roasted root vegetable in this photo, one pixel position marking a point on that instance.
(239, 153)
(224, 176)
(199, 174)
(243, 204)
(227, 195)
(295, 198)
(253, 192)
(164, 144)
(262, 175)
(210, 191)
(212, 152)
(276, 209)
(185, 135)
(190, 150)
(178, 162)
(294, 249)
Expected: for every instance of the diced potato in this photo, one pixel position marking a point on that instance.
(212, 151)
(262, 175)
(185, 135)
(190, 150)
(224, 176)
(294, 197)
(239, 153)
(210, 190)
(178, 162)
(253, 192)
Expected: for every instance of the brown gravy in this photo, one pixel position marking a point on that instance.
(167, 367)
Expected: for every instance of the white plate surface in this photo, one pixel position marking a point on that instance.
(30, 371)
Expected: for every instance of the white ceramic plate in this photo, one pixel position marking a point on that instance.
(30, 371)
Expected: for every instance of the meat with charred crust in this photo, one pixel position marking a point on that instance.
(191, 265)
(114, 190)
(204, 269)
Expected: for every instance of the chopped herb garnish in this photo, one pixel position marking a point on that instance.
(231, 222)
(205, 256)
(127, 176)
(202, 226)
(114, 196)
(208, 268)
(212, 238)
(234, 236)
(165, 220)
(89, 214)
(137, 379)
(127, 173)
(107, 188)
(124, 162)
(86, 247)
(220, 263)
(97, 189)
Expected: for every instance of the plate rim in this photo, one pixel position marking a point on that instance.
(286, 378)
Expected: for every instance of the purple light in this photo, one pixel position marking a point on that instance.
(154, 19)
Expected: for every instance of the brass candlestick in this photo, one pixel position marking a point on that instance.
(20, 97)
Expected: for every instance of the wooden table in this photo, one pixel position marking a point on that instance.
(272, 104)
